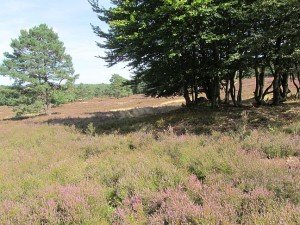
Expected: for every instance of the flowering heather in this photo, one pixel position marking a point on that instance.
(131, 212)
(171, 206)
(186, 167)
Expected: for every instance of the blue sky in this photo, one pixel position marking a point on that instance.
(71, 20)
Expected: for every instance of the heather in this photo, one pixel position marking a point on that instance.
(185, 166)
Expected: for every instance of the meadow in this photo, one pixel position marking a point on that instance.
(140, 160)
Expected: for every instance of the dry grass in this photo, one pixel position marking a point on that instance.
(6, 112)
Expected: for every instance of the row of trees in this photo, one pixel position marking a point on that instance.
(116, 89)
(13, 96)
(43, 74)
(188, 47)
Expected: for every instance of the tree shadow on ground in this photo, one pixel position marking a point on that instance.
(147, 119)
(196, 120)
(26, 117)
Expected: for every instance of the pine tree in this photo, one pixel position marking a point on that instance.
(38, 65)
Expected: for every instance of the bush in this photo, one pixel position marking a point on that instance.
(61, 97)
(27, 106)
(278, 151)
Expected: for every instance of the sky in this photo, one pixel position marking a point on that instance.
(71, 20)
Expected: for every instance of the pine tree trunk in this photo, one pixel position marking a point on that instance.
(48, 109)
(47, 103)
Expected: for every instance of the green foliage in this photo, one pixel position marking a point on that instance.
(39, 66)
(198, 170)
(9, 95)
(193, 47)
(89, 91)
(25, 106)
(61, 97)
(90, 129)
(279, 151)
(118, 88)
(21, 104)
(84, 91)
(286, 190)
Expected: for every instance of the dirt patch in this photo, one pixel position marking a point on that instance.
(6, 112)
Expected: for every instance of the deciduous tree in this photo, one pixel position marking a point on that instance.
(185, 47)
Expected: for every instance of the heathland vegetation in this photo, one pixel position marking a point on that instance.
(225, 153)
(89, 164)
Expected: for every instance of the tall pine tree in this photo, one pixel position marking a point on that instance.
(38, 65)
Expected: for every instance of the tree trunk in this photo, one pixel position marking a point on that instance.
(267, 91)
(298, 89)
(296, 85)
(47, 104)
(256, 85)
(227, 92)
(196, 93)
(192, 93)
(218, 91)
(285, 86)
(232, 90)
(207, 89)
(195, 83)
(215, 89)
(186, 95)
(239, 97)
(48, 109)
(277, 74)
(276, 86)
(260, 83)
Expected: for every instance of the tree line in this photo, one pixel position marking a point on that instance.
(14, 97)
(190, 47)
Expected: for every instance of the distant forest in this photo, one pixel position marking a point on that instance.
(117, 88)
